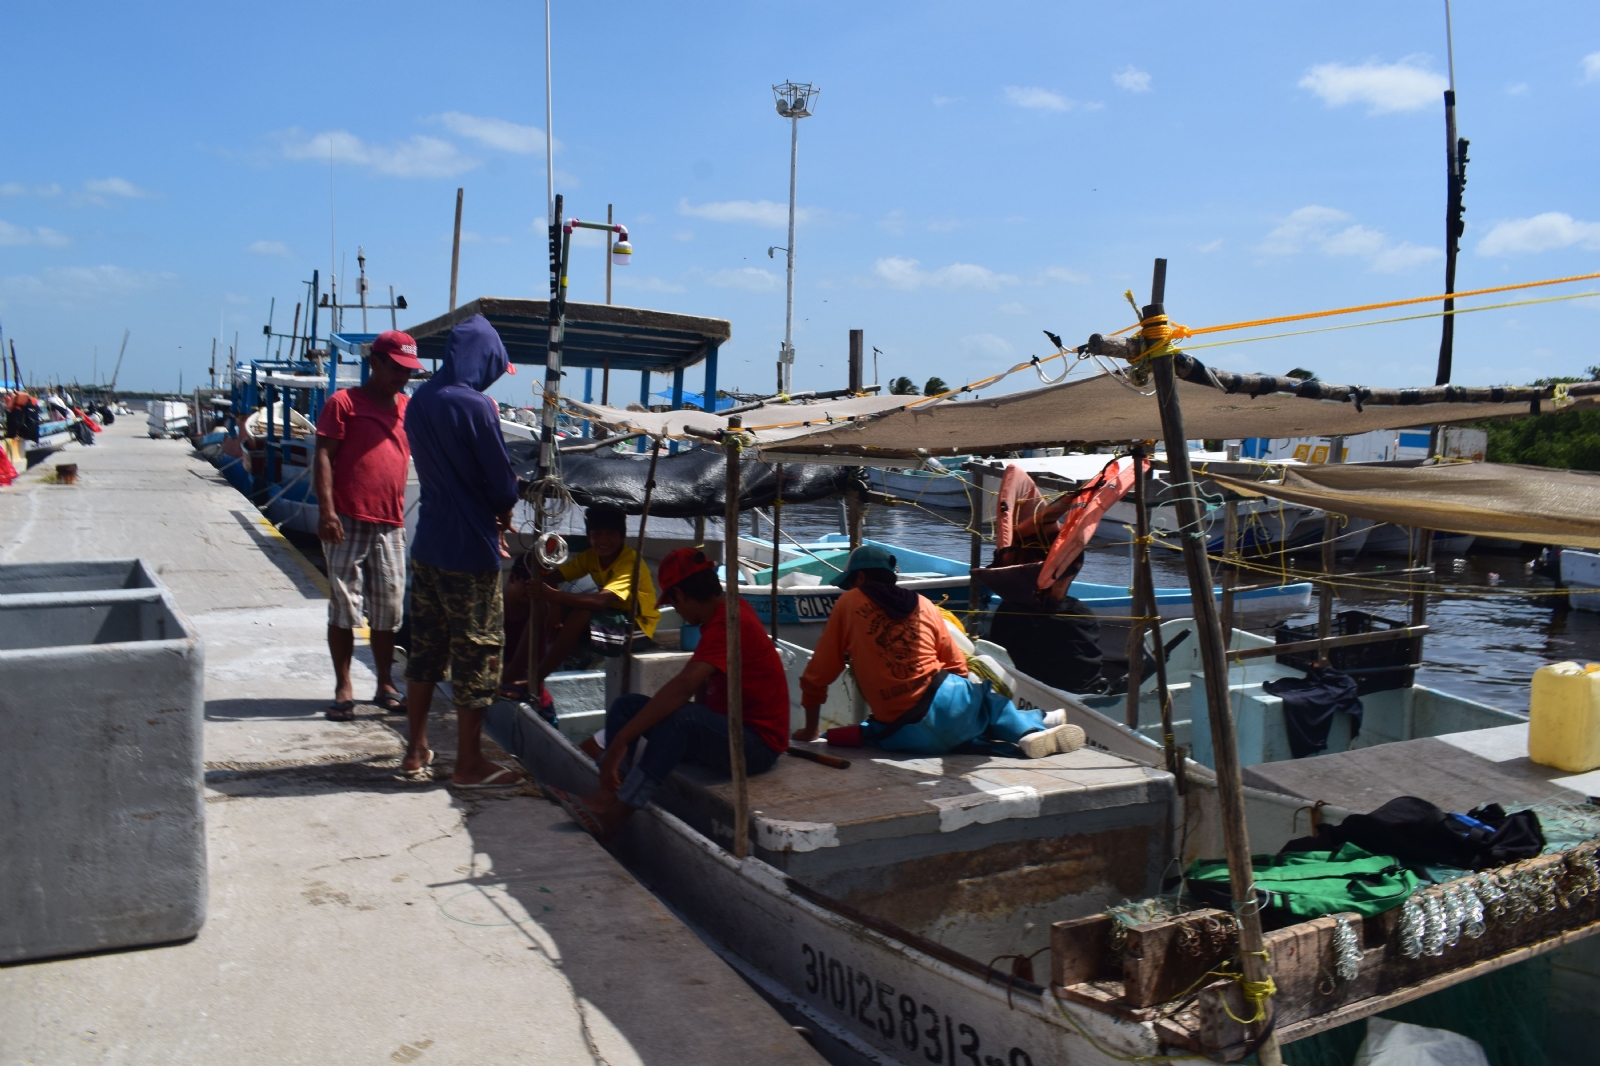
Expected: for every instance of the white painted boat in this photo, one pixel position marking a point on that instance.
(1580, 571)
(948, 486)
(167, 418)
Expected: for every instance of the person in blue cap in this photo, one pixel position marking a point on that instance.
(913, 676)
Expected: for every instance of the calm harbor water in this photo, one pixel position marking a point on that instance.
(1488, 636)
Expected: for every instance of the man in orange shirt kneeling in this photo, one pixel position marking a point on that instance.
(913, 676)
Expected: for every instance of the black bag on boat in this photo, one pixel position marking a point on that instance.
(1061, 648)
(1418, 833)
(1309, 704)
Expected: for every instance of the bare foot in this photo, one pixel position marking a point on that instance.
(592, 748)
(415, 760)
(482, 772)
(608, 810)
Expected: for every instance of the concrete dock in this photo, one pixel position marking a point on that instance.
(354, 916)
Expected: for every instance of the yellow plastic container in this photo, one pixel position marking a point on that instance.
(1564, 717)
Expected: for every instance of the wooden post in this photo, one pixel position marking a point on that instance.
(857, 360)
(853, 514)
(455, 251)
(974, 589)
(1330, 529)
(1213, 657)
(1151, 610)
(1136, 597)
(741, 796)
(1423, 538)
(1230, 559)
(777, 520)
(638, 562)
(609, 235)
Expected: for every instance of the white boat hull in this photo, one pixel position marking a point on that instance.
(1580, 572)
(921, 486)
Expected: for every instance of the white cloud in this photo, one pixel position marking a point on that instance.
(1312, 223)
(940, 101)
(1591, 67)
(17, 188)
(1404, 258)
(1383, 87)
(1210, 246)
(84, 286)
(1037, 99)
(684, 235)
(894, 223)
(986, 344)
(1132, 79)
(1541, 233)
(416, 157)
(755, 212)
(96, 191)
(751, 279)
(1519, 89)
(1071, 277)
(11, 236)
(1323, 229)
(1356, 240)
(268, 248)
(1012, 308)
(907, 275)
(645, 283)
(495, 133)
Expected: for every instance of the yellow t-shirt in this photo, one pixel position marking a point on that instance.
(616, 580)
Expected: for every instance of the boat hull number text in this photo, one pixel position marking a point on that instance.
(899, 1018)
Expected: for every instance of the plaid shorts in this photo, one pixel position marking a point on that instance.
(458, 627)
(368, 566)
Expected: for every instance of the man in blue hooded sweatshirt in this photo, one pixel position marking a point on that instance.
(468, 491)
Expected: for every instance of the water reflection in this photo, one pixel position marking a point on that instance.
(1493, 627)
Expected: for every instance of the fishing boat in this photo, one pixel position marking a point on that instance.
(1388, 539)
(937, 483)
(1580, 573)
(166, 419)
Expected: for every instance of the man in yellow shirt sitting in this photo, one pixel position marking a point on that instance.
(601, 615)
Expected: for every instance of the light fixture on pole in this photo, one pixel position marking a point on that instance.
(795, 102)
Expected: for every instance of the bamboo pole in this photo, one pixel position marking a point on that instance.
(730, 567)
(1423, 538)
(777, 521)
(1213, 656)
(1135, 643)
(1230, 567)
(455, 252)
(638, 561)
(1330, 529)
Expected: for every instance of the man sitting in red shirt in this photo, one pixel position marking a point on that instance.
(678, 726)
(360, 471)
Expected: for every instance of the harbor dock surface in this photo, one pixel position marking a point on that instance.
(354, 916)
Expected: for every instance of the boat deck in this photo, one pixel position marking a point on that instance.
(1456, 771)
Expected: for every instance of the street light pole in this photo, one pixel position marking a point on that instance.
(794, 103)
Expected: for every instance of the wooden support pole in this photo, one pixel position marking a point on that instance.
(974, 589)
(730, 568)
(777, 526)
(455, 251)
(638, 562)
(854, 508)
(1330, 529)
(1213, 657)
(1230, 565)
(1423, 539)
(1141, 547)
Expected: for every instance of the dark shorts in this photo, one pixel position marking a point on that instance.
(458, 631)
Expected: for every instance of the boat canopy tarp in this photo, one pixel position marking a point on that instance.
(1104, 407)
(626, 338)
(1526, 503)
(690, 483)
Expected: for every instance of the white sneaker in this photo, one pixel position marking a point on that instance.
(1052, 741)
(1055, 718)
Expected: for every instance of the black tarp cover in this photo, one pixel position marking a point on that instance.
(688, 484)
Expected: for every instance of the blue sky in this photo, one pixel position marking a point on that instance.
(974, 174)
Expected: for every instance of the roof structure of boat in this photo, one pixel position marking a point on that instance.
(1105, 407)
(597, 335)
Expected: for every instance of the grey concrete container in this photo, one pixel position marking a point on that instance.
(102, 813)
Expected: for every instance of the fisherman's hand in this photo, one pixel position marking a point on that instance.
(611, 767)
(503, 521)
(329, 529)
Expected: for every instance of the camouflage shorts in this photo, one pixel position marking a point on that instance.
(458, 629)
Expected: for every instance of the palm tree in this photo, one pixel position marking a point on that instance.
(903, 386)
(935, 386)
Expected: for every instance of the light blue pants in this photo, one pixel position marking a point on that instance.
(964, 713)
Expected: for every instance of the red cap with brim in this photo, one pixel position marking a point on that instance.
(682, 563)
(399, 347)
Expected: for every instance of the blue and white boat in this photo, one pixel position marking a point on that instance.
(806, 593)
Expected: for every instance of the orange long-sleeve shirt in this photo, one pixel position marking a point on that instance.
(893, 661)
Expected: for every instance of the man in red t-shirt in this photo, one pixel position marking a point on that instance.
(362, 452)
(677, 724)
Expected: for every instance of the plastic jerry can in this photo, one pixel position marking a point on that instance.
(1564, 717)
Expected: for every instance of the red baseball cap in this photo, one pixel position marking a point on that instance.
(399, 347)
(681, 563)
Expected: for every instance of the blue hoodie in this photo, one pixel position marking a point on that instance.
(460, 455)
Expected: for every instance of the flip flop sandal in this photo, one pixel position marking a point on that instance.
(423, 772)
(576, 811)
(342, 711)
(505, 777)
(389, 703)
